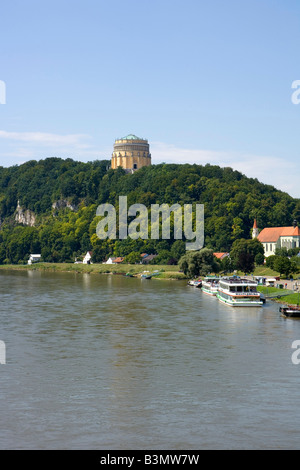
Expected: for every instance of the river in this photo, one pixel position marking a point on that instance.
(109, 362)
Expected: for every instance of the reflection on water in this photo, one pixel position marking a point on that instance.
(109, 362)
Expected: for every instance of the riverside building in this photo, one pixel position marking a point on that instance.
(277, 237)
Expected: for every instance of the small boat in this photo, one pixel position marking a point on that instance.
(195, 283)
(290, 310)
(129, 274)
(146, 275)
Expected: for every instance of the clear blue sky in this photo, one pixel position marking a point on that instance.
(203, 81)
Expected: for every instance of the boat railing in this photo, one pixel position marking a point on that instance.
(239, 281)
(255, 292)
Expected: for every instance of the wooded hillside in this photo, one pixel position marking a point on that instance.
(67, 229)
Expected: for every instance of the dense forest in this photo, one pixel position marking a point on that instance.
(62, 197)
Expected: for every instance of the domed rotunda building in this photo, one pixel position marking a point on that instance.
(131, 153)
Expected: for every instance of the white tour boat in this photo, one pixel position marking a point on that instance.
(210, 285)
(239, 292)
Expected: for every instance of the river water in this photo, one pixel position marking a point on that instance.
(109, 362)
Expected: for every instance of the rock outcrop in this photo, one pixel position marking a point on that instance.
(62, 204)
(25, 216)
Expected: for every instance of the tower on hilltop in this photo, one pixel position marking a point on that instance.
(131, 153)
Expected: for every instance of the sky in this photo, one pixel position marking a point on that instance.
(203, 81)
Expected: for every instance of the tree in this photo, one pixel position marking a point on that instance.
(259, 259)
(270, 261)
(283, 265)
(296, 261)
(243, 254)
(163, 257)
(294, 266)
(132, 258)
(178, 249)
(229, 213)
(237, 228)
(85, 242)
(293, 251)
(255, 247)
(282, 252)
(198, 263)
(226, 265)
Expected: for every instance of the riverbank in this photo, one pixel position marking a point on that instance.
(286, 296)
(158, 272)
(161, 271)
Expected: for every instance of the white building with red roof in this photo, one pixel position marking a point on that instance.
(277, 237)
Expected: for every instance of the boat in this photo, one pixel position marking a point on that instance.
(290, 310)
(239, 292)
(210, 285)
(195, 283)
(146, 275)
(129, 275)
(262, 298)
(155, 273)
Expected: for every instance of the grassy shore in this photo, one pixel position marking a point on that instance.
(264, 271)
(269, 290)
(292, 298)
(165, 272)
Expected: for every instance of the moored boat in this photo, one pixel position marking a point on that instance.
(262, 298)
(195, 283)
(290, 310)
(210, 285)
(239, 292)
(146, 275)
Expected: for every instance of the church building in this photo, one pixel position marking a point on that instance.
(277, 237)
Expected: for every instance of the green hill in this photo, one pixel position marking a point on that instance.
(58, 199)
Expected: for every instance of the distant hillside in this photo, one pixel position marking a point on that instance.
(58, 200)
(37, 184)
